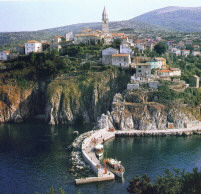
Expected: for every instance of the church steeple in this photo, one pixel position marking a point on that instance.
(105, 27)
(104, 15)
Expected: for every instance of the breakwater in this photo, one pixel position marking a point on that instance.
(87, 147)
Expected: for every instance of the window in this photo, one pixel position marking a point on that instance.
(139, 66)
(139, 71)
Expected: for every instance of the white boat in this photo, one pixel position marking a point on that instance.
(99, 150)
(115, 166)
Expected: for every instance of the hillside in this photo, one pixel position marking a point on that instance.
(123, 26)
(186, 19)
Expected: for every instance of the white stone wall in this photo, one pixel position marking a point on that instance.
(3, 56)
(124, 49)
(32, 47)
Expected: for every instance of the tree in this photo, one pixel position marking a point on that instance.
(140, 185)
(175, 182)
(87, 66)
(116, 43)
(160, 48)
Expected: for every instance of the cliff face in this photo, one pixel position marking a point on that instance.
(17, 103)
(141, 110)
(83, 97)
(65, 100)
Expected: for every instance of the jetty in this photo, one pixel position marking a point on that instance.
(88, 147)
(103, 135)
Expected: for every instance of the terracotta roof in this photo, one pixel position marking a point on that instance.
(32, 41)
(186, 50)
(165, 71)
(120, 55)
(171, 41)
(98, 31)
(6, 51)
(107, 37)
(195, 46)
(175, 69)
(77, 35)
(59, 36)
(124, 37)
(160, 58)
(117, 34)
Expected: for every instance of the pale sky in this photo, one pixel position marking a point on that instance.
(28, 15)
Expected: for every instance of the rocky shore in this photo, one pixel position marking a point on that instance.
(79, 168)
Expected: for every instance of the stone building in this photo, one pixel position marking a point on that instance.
(86, 38)
(55, 43)
(143, 70)
(121, 60)
(107, 55)
(21, 49)
(194, 81)
(125, 49)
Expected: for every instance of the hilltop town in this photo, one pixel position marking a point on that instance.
(168, 67)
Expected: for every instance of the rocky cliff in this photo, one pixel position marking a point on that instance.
(84, 96)
(141, 110)
(18, 103)
(64, 100)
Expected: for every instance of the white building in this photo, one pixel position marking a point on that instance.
(140, 46)
(4, 55)
(121, 60)
(185, 53)
(69, 36)
(176, 71)
(176, 51)
(165, 73)
(125, 49)
(107, 55)
(169, 72)
(196, 53)
(32, 46)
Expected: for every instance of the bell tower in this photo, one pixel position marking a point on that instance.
(105, 26)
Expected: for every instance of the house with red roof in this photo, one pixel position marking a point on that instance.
(4, 55)
(32, 46)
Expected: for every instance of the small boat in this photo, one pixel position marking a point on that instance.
(115, 166)
(99, 150)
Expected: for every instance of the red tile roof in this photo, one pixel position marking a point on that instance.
(32, 41)
(165, 71)
(77, 35)
(120, 55)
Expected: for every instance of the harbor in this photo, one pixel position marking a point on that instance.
(103, 135)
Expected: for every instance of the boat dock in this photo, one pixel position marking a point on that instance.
(90, 158)
(103, 135)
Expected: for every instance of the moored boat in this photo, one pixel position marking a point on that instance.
(99, 150)
(115, 166)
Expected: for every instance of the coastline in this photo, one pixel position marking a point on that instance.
(102, 135)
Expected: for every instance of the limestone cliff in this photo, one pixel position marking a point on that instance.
(64, 100)
(18, 103)
(141, 110)
(84, 96)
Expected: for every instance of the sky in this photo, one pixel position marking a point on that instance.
(31, 15)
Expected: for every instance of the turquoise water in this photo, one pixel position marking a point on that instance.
(33, 157)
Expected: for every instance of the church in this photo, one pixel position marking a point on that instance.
(89, 36)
